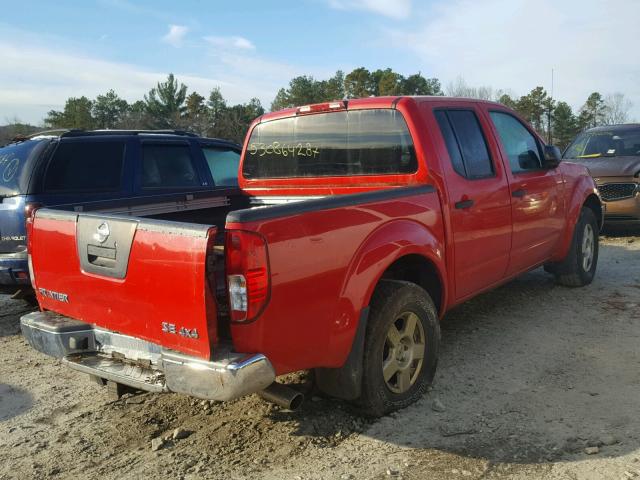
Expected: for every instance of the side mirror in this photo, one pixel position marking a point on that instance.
(552, 156)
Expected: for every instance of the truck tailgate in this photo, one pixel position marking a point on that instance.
(150, 279)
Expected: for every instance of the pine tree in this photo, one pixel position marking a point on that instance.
(386, 82)
(109, 110)
(359, 83)
(532, 108)
(565, 125)
(135, 118)
(76, 114)
(593, 113)
(333, 89)
(217, 106)
(416, 84)
(506, 100)
(166, 103)
(280, 101)
(195, 118)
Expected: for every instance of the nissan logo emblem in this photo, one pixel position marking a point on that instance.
(102, 232)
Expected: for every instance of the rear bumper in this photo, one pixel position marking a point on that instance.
(14, 269)
(144, 365)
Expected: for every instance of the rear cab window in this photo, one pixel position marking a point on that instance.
(85, 167)
(334, 144)
(223, 164)
(168, 165)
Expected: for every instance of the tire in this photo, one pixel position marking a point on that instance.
(579, 266)
(416, 332)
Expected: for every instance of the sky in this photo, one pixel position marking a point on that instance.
(50, 51)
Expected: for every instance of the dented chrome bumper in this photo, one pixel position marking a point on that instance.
(145, 365)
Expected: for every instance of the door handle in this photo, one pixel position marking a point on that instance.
(519, 193)
(463, 204)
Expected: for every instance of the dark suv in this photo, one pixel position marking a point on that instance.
(152, 173)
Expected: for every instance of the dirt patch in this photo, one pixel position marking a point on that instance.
(531, 377)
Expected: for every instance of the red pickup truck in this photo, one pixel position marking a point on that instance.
(356, 227)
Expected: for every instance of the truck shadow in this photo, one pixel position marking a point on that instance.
(13, 401)
(10, 313)
(531, 372)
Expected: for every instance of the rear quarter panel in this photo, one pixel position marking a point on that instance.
(324, 266)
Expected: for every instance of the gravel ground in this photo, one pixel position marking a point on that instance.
(535, 381)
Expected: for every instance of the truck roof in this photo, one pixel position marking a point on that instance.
(373, 102)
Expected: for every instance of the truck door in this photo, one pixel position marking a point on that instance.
(537, 203)
(479, 202)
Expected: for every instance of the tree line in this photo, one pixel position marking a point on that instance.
(304, 90)
(553, 119)
(165, 106)
(168, 105)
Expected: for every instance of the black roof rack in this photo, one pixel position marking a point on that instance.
(88, 133)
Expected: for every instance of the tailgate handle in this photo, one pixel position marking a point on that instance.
(101, 256)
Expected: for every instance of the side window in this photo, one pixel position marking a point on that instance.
(223, 164)
(85, 167)
(465, 142)
(452, 144)
(168, 166)
(520, 144)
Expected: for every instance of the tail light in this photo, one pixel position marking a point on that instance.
(248, 281)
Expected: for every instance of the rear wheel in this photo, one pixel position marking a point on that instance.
(401, 348)
(579, 266)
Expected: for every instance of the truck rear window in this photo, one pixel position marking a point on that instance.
(357, 142)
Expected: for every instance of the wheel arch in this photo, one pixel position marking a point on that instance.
(389, 252)
(593, 203)
(420, 270)
(399, 250)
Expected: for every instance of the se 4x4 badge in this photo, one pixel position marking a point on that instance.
(182, 331)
